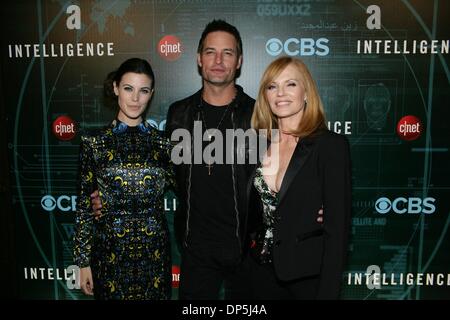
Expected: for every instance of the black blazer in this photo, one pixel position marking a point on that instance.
(318, 173)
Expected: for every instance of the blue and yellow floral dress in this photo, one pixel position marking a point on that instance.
(128, 248)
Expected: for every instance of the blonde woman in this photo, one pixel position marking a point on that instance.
(305, 167)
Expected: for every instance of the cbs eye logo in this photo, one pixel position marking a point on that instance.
(48, 203)
(274, 46)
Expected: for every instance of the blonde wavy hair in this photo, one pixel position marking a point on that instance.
(313, 117)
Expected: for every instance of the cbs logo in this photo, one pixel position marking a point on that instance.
(402, 205)
(63, 203)
(298, 47)
(160, 126)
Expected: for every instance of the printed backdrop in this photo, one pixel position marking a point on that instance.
(382, 71)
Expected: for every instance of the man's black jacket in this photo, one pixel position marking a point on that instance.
(181, 115)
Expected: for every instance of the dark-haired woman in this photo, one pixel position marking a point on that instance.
(125, 253)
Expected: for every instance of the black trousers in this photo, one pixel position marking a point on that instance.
(266, 285)
(206, 268)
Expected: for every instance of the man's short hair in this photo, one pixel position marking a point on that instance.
(220, 25)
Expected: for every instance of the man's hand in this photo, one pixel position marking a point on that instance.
(320, 215)
(96, 204)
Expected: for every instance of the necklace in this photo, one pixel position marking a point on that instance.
(209, 164)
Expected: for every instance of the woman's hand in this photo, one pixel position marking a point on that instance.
(86, 283)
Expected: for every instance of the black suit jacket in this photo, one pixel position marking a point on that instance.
(318, 174)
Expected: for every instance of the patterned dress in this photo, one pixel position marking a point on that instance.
(128, 248)
(262, 251)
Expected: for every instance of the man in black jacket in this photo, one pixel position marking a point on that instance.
(211, 220)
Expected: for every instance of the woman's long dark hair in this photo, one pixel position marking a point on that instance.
(135, 65)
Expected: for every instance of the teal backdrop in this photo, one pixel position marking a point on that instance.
(373, 65)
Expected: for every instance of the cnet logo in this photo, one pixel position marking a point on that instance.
(64, 203)
(169, 48)
(409, 128)
(298, 47)
(175, 276)
(64, 128)
(402, 205)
